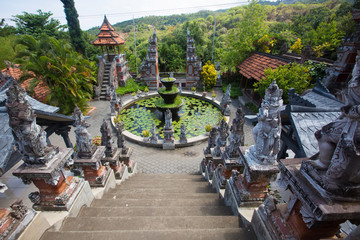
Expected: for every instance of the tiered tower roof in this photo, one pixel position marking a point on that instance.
(107, 36)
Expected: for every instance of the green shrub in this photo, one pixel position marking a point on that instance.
(146, 133)
(208, 128)
(131, 86)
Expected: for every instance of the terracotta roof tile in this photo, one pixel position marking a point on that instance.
(255, 65)
(41, 91)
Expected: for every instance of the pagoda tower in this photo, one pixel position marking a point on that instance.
(108, 39)
(193, 64)
(149, 69)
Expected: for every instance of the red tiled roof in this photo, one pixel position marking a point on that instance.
(255, 65)
(41, 91)
(107, 36)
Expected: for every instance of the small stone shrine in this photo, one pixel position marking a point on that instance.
(168, 131)
(43, 164)
(13, 221)
(219, 148)
(183, 138)
(325, 188)
(250, 187)
(88, 157)
(112, 154)
(225, 101)
(230, 157)
(125, 152)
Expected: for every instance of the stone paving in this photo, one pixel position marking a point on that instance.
(156, 160)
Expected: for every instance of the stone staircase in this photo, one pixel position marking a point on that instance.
(155, 206)
(106, 81)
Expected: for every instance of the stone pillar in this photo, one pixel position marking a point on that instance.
(112, 154)
(218, 150)
(13, 221)
(88, 157)
(124, 151)
(250, 187)
(230, 158)
(43, 164)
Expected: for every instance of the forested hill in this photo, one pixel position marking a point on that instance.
(159, 22)
(241, 30)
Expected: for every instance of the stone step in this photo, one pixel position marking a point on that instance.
(156, 202)
(167, 176)
(155, 211)
(163, 184)
(157, 179)
(127, 190)
(148, 223)
(159, 195)
(188, 234)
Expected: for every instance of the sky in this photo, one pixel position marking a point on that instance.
(91, 12)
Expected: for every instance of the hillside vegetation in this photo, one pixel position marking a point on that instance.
(240, 31)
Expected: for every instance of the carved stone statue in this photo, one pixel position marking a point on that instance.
(171, 75)
(84, 146)
(30, 137)
(236, 138)
(180, 89)
(267, 131)
(153, 138)
(336, 167)
(168, 119)
(211, 140)
(183, 138)
(221, 138)
(115, 103)
(226, 100)
(106, 139)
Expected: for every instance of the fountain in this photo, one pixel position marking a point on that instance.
(170, 98)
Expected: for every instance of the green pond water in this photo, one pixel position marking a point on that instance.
(194, 113)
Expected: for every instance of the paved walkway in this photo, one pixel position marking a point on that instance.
(156, 160)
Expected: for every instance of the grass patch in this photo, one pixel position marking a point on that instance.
(252, 107)
(131, 86)
(162, 104)
(173, 90)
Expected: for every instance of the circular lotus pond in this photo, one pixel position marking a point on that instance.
(195, 114)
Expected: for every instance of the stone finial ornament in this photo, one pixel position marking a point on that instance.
(336, 167)
(267, 131)
(211, 140)
(221, 138)
(106, 139)
(84, 146)
(226, 100)
(30, 137)
(236, 138)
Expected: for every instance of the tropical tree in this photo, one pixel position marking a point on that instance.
(76, 35)
(37, 24)
(208, 75)
(287, 76)
(54, 64)
(240, 40)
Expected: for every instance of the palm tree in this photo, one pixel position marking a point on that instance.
(53, 63)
